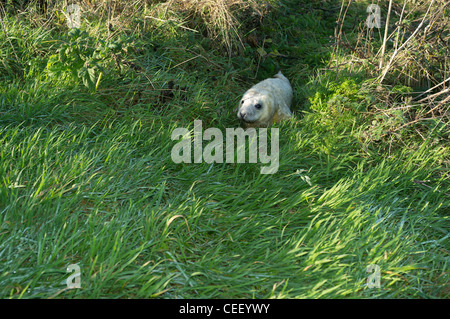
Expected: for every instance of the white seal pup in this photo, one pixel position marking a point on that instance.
(266, 102)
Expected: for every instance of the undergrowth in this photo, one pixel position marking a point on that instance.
(86, 175)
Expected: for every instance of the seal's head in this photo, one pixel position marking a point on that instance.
(255, 108)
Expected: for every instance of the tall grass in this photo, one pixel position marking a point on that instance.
(86, 176)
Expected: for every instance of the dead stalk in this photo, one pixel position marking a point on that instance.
(338, 36)
(396, 51)
(386, 27)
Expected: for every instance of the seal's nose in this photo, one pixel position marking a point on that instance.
(242, 115)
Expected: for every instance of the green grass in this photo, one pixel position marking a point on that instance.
(87, 178)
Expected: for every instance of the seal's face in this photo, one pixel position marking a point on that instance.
(253, 110)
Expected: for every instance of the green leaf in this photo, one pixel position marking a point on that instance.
(115, 46)
(261, 51)
(87, 75)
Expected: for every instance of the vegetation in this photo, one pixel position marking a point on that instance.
(86, 175)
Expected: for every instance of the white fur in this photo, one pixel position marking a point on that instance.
(273, 95)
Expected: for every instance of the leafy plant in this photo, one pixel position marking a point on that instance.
(79, 58)
(332, 97)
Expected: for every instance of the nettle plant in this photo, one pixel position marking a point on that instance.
(85, 58)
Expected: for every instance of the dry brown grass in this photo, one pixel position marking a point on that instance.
(415, 52)
(221, 19)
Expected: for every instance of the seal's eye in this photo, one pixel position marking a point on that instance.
(242, 102)
(258, 106)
